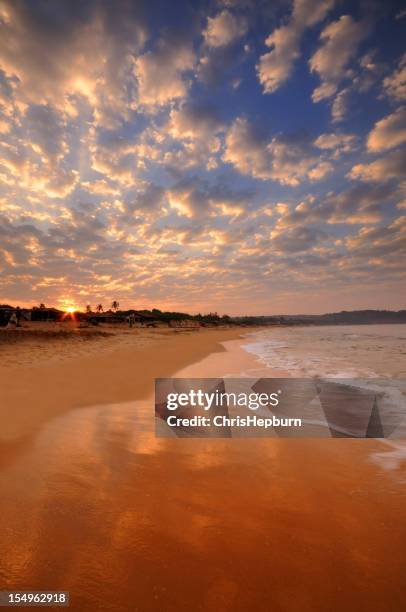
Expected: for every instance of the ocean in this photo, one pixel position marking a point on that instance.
(334, 351)
(360, 352)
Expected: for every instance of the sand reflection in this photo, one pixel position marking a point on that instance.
(125, 521)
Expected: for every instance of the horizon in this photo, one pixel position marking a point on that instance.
(194, 314)
(230, 156)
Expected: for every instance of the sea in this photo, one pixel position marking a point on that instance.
(371, 356)
(336, 351)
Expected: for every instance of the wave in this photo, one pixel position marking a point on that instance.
(334, 352)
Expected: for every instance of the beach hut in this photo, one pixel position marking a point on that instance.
(145, 319)
(45, 314)
(108, 317)
(184, 324)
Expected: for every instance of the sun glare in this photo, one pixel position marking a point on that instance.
(69, 311)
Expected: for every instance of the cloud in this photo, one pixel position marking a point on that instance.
(389, 132)
(287, 160)
(246, 149)
(194, 121)
(194, 197)
(115, 160)
(128, 166)
(359, 204)
(298, 239)
(224, 29)
(340, 40)
(8, 85)
(363, 76)
(38, 163)
(339, 143)
(340, 105)
(196, 130)
(46, 131)
(122, 157)
(160, 73)
(369, 71)
(275, 67)
(100, 187)
(75, 52)
(394, 85)
(382, 170)
(382, 242)
(150, 199)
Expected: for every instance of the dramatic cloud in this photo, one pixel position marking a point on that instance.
(340, 40)
(298, 239)
(340, 105)
(85, 52)
(381, 170)
(275, 67)
(46, 131)
(100, 187)
(150, 199)
(196, 128)
(365, 73)
(160, 74)
(287, 160)
(395, 84)
(389, 132)
(338, 143)
(194, 122)
(224, 29)
(193, 197)
(360, 204)
(382, 242)
(141, 161)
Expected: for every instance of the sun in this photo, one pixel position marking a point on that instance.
(69, 311)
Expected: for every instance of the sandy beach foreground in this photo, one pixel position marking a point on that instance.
(51, 368)
(93, 503)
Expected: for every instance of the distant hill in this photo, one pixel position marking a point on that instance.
(352, 317)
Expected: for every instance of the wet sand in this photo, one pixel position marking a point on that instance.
(42, 377)
(96, 505)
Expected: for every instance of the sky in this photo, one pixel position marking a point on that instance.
(237, 156)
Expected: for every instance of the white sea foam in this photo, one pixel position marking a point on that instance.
(363, 351)
(371, 357)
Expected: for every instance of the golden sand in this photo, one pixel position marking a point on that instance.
(54, 368)
(94, 503)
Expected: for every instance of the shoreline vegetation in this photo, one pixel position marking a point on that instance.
(16, 317)
(31, 336)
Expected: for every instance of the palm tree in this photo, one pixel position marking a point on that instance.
(88, 309)
(115, 306)
(99, 308)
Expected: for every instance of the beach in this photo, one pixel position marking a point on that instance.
(52, 370)
(96, 505)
